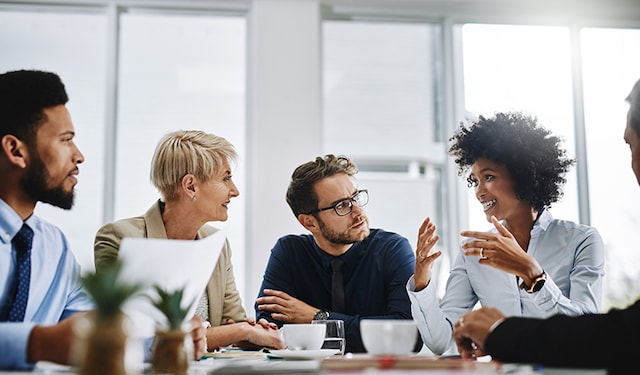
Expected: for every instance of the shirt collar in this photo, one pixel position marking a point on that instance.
(544, 220)
(10, 222)
(350, 258)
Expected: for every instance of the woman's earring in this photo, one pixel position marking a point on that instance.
(193, 197)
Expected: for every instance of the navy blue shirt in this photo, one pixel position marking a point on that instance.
(375, 270)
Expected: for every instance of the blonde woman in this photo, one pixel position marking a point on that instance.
(191, 171)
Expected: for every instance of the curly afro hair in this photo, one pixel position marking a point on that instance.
(530, 153)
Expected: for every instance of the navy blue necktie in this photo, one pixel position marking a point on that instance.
(22, 244)
(337, 286)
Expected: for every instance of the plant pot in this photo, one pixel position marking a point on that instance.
(101, 344)
(171, 353)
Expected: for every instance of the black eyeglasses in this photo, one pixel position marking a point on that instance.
(345, 206)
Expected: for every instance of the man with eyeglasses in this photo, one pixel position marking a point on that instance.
(342, 269)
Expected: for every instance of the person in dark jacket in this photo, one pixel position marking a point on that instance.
(342, 269)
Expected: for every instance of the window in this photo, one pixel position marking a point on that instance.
(391, 89)
(380, 109)
(610, 68)
(527, 69)
(179, 72)
(72, 44)
(175, 71)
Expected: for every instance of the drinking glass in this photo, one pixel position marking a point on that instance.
(334, 336)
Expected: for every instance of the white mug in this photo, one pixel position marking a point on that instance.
(388, 336)
(303, 336)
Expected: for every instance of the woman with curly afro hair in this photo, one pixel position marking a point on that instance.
(528, 264)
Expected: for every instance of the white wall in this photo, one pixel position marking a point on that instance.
(283, 121)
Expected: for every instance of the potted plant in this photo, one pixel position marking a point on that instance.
(172, 348)
(103, 334)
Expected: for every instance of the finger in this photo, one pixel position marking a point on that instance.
(271, 299)
(432, 241)
(478, 235)
(476, 251)
(426, 242)
(472, 252)
(267, 324)
(271, 307)
(426, 229)
(480, 352)
(428, 259)
(472, 247)
(196, 321)
(429, 237)
(501, 228)
(480, 252)
(198, 334)
(422, 237)
(463, 342)
(424, 226)
(280, 317)
(276, 293)
(464, 348)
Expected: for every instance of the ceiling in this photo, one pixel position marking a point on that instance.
(625, 13)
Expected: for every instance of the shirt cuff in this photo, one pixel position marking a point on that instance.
(14, 339)
(496, 324)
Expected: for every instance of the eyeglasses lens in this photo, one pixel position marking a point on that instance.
(346, 206)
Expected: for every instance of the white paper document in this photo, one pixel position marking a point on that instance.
(169, 264)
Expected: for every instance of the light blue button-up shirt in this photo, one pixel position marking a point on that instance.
(54, 291)
(572, 256)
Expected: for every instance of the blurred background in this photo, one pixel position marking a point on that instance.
(384, 82)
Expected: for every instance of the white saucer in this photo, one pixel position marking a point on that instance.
(304, 354)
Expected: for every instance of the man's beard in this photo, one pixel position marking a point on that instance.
(339, 238)
(36, 184)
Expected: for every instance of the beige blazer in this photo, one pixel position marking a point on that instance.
(224, 299)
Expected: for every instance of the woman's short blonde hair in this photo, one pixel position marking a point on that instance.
(188, 151)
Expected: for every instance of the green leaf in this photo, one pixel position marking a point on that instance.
(107, 291)
(170, 304)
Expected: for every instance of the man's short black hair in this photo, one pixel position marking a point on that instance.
(23, 96)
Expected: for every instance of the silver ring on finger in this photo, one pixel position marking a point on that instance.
(482, 252)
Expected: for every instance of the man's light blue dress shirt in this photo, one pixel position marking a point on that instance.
(572, 256)
(55, 291)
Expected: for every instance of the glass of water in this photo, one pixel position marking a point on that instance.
(334, 337)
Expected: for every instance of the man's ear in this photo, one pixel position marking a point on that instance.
(15, 150)
(309, 222)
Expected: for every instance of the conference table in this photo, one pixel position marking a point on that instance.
(247, 363)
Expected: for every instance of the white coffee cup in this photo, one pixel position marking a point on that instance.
(388, 336)
(304, 336)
